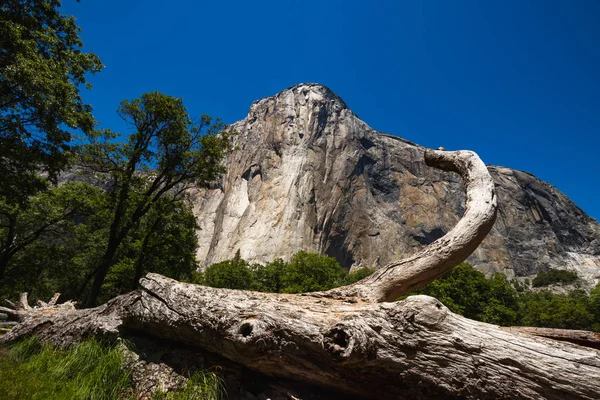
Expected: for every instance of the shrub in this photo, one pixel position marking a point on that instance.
(554, 276)
(463, 290)
(306, 272)
(269, 278)
(231, 274)
(467, 292)
(309, 272)
(551, 310)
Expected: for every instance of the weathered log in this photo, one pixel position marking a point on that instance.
(21, 310)
(400, 277)
(350, 339)
(582, 338)
(415, 348)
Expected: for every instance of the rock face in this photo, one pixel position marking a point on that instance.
(308, 174)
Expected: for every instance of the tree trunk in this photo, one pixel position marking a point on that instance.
(139, 262)
(4, 258)
(351, 339)
(5, 253)
(100, 274)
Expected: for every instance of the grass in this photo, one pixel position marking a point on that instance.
(90, 370)
(87, 371)
(202, 385)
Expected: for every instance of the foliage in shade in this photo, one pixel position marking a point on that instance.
(65, 254)
(356, 275)
(150, 169)
(553, 276)
(50, 217)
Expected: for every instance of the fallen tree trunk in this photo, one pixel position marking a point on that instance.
(582, 338)
(415, 348)
(351, 339)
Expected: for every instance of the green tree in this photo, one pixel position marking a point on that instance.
(167, 153)
(42, 68)
(466, 291)
(501, 302)
(594, 307)
(546, 278)
(357, 275)
(65, 255)
(47, 218)
(269, 278)
(463, 290)
(309, 272)
(552, 310)
(164, 242)
(230, 274)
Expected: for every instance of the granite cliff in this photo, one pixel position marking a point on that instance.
(308, 174)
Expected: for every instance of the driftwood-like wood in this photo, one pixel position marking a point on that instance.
(582, 338)
(400, 277)
(350, 339)
(21, 310)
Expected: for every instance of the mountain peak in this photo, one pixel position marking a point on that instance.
(305, 91)
(308, 174)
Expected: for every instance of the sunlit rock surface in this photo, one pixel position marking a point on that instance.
(308, 174)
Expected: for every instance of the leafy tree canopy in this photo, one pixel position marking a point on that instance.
(48, 217)
(42, 68)
(310, 272)
(153, 167)
(305, 272)
(466, 291)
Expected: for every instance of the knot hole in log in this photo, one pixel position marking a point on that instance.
(336, 342)
(246, 329)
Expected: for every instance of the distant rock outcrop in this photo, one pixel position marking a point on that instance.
(308, 174)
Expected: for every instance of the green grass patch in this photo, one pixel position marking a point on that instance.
(202, 385)
(90, 370)
(87, 371)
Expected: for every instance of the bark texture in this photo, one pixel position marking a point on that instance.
(582, 338)
(349, 340)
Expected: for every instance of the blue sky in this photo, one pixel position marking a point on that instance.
(516, 81)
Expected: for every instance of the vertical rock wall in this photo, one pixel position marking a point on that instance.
(308, 174)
